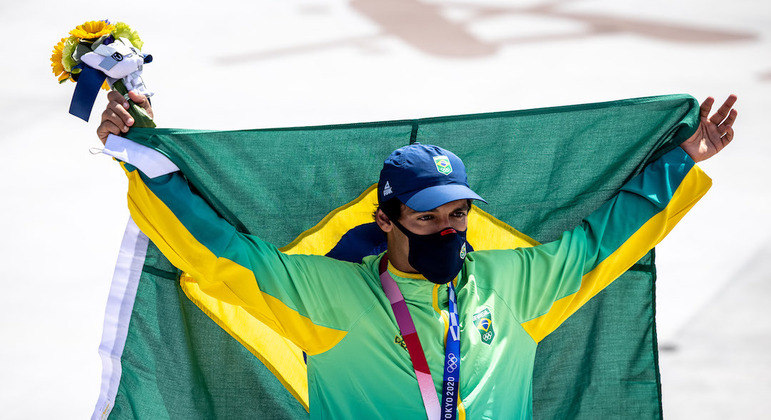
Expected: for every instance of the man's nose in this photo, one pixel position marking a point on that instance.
(444, 220)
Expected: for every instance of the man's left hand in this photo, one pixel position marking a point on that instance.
(714, 133)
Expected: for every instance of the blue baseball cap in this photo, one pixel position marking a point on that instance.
(424, 177)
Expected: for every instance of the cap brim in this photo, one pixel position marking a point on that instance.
(433, 197)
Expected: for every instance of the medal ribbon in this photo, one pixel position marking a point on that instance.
(451, 360)
(448, 409)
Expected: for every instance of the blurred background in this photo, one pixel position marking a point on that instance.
(255, 64)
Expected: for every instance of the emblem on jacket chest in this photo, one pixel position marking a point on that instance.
(483, 320)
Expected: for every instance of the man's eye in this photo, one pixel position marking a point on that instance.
(426, 217)
(459, 214)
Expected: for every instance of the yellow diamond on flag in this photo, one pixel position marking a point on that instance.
(484, 230)
(277, 353)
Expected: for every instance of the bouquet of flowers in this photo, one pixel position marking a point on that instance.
(100, 54)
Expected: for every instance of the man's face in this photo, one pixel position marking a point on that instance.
(453, 214)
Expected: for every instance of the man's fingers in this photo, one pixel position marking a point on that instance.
(106, 128)
(121, 112)
(706, 106)
(142, 101)
(729, 122)
(714, 139)
(138, 98)
(114, 96)
(110, 115)
(722, 113)
(728, 136)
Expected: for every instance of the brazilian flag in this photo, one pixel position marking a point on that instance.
(170, 351)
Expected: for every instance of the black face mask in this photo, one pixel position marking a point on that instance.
(438, 256)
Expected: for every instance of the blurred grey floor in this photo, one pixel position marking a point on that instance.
(719, 366)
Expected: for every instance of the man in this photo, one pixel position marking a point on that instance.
(346, 316)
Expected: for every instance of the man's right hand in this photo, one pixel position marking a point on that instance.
(115, 118)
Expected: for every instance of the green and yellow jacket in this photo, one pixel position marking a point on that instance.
(337, 313)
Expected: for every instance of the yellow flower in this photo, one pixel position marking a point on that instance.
(58, 67)
(57, 62)
(56, 59)
(92, 30)
(62, 63)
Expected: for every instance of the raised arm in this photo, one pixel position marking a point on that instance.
(291, 294)
(553, 280)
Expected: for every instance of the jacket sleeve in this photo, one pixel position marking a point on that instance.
(553, 280)
(292, 294)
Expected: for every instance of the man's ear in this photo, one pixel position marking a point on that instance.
(383, 221)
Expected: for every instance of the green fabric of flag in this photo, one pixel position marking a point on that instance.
(541, 171)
